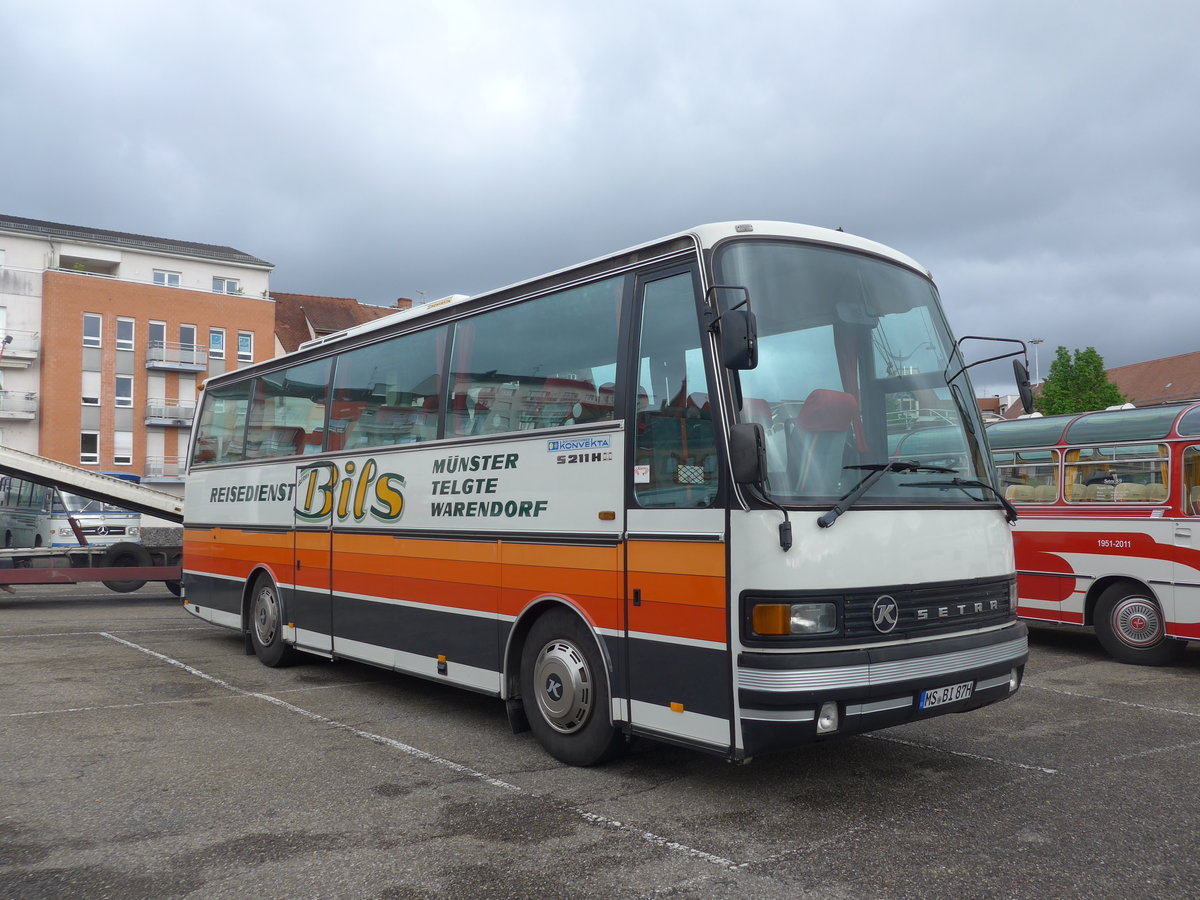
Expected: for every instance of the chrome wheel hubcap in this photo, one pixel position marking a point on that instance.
(563, 685)
(1137, 622)
(266, 616)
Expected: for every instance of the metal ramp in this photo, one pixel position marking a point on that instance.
(86, 483)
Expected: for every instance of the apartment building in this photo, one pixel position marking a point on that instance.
(107, 336)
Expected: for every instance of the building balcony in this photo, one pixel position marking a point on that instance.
(170, 356)
(19, 349)
(170, 413)
(18, 405)
(164, 469)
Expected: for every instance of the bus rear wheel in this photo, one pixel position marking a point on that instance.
(1130, 626)
(266, 625)
(564, 691)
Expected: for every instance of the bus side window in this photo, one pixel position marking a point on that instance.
(675, 460)
(386, 394)
(532, 365)
(289, 404)
(1191, 482)
(223, 413)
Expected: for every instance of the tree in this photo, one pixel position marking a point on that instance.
(1077, 384)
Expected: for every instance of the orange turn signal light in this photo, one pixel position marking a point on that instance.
(773, 618)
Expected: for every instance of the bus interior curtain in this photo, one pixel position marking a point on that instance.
(846, 339)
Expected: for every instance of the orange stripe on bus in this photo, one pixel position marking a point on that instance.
(677, 557)
(685, 590)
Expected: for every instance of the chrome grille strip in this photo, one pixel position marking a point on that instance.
(874, 674)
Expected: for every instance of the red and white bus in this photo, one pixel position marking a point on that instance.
(651, 494)
(1109, 533)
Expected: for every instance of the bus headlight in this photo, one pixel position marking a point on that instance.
(794, 618)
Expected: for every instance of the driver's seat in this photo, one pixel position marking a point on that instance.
(823, 427)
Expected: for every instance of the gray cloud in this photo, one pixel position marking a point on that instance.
(1038, 157)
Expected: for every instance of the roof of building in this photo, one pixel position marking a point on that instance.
(296, 313)
(131, 241)
(1159, 380)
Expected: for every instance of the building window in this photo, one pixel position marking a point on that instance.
(91, 388)
(123, 448)
(245, 346)
(216, 343)
(165, 278)
(125, 334)
(124, 390)
(89, 447)
(187, 344)
(226, 286)
(156, 332)
(91, 329)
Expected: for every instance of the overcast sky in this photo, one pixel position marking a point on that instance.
(1041, 158)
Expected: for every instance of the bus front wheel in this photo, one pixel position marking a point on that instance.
(266, 625)
(1129, 625)
(564, 691)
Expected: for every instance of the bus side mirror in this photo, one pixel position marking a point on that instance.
(748, 453)
(1023, 388)
(739, 339)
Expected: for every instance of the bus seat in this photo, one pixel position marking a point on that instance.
(1129, 492)
(1156, 493)
(1045, 493)
(1194, 501)
(1020, 493)
(460, 419)
(313, 441)
(281, 441)
(823, 428)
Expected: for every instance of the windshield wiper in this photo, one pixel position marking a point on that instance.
(877, 471)
(1010, 511)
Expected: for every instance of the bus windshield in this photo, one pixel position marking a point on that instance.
(75, 504)
(852, 373)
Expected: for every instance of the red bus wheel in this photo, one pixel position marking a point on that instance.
(1130, 626)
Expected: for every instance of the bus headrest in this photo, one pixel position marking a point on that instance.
(827, 410)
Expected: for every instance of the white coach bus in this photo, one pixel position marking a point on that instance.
(654, 494)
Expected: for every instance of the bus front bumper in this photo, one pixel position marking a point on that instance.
(789, 699)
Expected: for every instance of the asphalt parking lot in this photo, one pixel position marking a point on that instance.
(142, 754)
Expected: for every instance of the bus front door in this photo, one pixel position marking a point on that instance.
(678, 674)
(310, 607)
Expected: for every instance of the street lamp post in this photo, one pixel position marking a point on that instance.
(1037, 375)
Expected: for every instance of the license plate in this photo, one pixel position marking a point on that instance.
(948, 694)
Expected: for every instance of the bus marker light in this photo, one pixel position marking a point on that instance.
(441, 664)
(827, 718)
(607, 515)
(676, 707)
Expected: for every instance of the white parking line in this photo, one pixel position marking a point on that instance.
(425, 756)
(975, 756)
(1129, 703)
